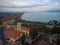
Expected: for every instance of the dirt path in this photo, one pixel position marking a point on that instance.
(42, 42)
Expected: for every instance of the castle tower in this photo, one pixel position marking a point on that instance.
(19, 26)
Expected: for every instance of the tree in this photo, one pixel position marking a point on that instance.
(33, 32)
(55, 22)
(1, 22)
(50, 22)
(23, 37)
(43, 28)
(35, 29)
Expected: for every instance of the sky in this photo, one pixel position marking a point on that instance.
(28, 5)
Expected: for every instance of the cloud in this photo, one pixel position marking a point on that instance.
(38, 8)
(21, 2)
(28, 5)
(57, 5)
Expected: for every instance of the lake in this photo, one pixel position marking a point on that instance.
(41, 16)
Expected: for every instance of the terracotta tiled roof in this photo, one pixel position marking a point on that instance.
(25, 28)
(12, 33)
(15, 33)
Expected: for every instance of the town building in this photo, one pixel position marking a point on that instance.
(16, 32)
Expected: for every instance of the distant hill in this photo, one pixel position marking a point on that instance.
(52, 11)
(11, 13)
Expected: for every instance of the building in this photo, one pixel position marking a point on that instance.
(9, 21)
(15, 34)
(25, 30)
(12, 34)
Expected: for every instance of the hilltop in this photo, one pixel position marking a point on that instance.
(52, 11)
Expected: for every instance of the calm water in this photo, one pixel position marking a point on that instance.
(41, 16)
